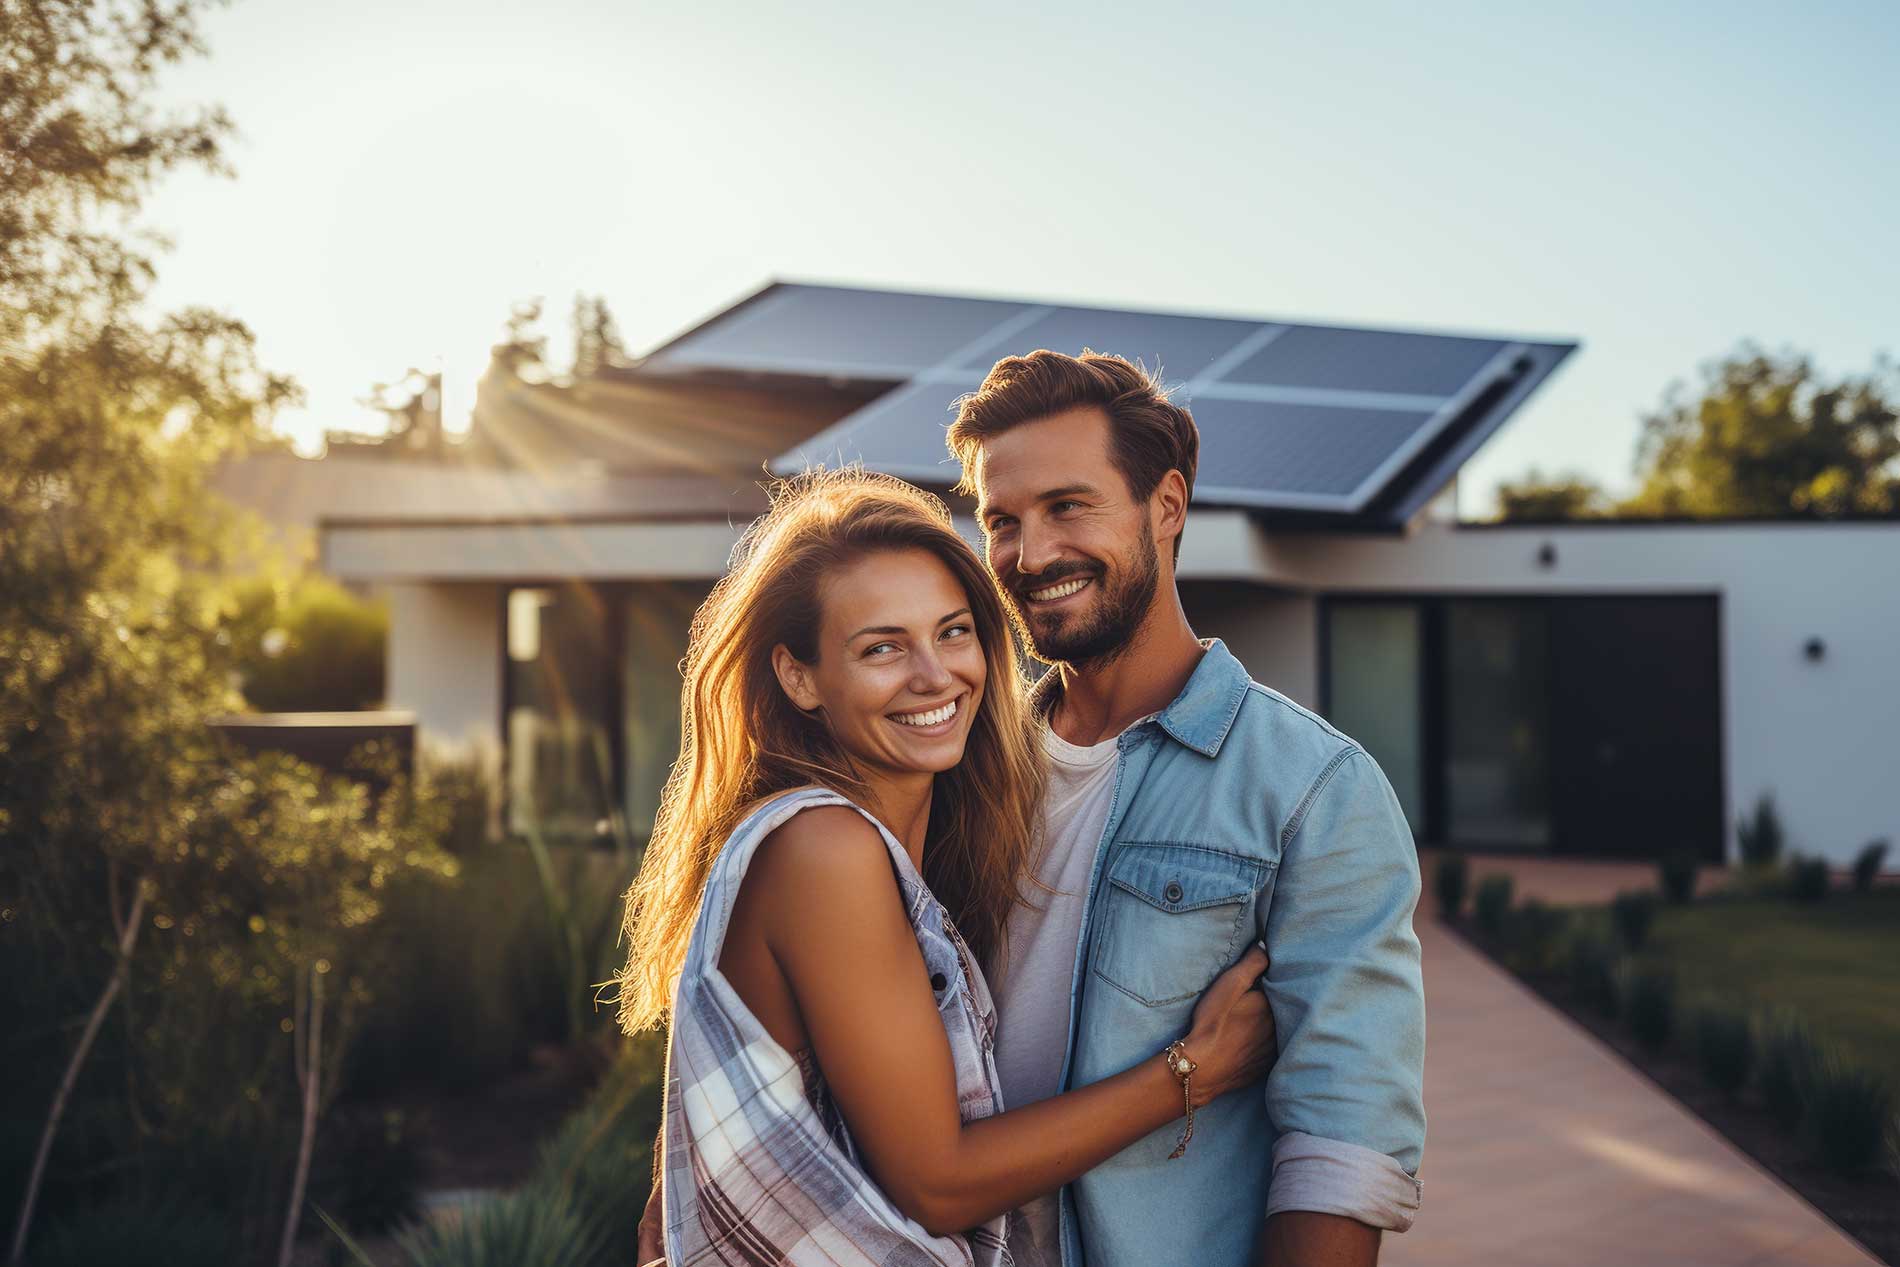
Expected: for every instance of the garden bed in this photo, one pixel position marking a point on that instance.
(1721, 950)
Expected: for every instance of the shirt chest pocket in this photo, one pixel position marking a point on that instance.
(1171, 916)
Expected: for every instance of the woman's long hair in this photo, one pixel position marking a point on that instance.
(742, 738)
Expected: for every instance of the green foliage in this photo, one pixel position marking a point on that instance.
(1533, 934)
(370, 1169)
(530, 1228)
(1632, 913)
(1807, 879)
(138, 1234)
(1593, 973)
(1649, 1004)
(1788, 1059)
(1532, 498)
(1867, 864)
(307, 645)
(1492, 904)
(1849, 1110)
(1724, 1047)
(1760, 834)
(1450, 881)
(1769, 437)
(1677, 871)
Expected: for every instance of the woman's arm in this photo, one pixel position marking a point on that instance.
(834, 922)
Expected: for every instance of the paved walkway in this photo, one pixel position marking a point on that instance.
(1544, 1147)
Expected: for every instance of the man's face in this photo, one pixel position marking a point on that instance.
(1071, 549)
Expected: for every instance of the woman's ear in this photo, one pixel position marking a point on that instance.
(794, 677)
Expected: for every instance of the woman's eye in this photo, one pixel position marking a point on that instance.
(876, 648)
(956, 631)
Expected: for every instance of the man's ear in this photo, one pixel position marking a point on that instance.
(794, 677)
(1168, 505)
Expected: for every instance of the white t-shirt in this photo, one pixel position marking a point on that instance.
(1032, 998)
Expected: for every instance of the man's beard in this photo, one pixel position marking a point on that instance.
(1097, 636)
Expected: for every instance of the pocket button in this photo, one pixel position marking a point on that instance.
(1173, 891)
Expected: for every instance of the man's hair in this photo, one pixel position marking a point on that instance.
(1149, 435)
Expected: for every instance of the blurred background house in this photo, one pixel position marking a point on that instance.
(1612, 688)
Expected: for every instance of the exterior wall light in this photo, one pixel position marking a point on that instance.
(1815, 650)
(1547, 555)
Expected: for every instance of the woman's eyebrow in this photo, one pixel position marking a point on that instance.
(961, 611)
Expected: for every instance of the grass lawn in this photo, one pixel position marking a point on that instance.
(1835, 963)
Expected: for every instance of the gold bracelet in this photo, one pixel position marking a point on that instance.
(1182, 1066)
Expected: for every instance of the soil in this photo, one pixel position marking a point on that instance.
(1866, 1208)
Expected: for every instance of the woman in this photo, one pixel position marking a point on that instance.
(836, 853)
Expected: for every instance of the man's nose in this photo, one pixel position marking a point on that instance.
(1035, 550)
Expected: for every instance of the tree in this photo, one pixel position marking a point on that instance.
(1534, 499)
(597, 342)
(119, 811)
(1771, 437)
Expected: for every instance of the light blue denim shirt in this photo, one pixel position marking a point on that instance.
(1238, 815)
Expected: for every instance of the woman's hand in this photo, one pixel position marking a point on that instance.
(1231, 1039)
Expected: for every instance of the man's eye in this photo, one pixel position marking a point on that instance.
(1000, 523)
(1066, 505)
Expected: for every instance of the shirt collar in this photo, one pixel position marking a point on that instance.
(1200, 716)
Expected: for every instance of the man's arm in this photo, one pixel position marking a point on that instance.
(1346, 1096)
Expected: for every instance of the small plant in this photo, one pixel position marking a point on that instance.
(1807, 879)
(1649, 998)
(1867, 865)
(1532, 934)
(1787, 1061)
(1593, 975)
(1724, 1047)
(1760, 834)
(1633, 913)
(1677, 870)
(1450, 880)
(1492, 904)
(1849, 1108)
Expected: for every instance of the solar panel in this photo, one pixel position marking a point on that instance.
(1293, 417)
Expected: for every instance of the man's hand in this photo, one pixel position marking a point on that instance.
(1305, 1238)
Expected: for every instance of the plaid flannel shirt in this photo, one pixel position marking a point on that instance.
(752, 1174)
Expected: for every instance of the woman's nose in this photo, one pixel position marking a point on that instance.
(930, 674)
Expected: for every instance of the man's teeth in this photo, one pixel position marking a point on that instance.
(930, 718)
(1059, 591)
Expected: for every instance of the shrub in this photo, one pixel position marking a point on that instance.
(1677, 870)
(307, 644)
(1492, 904)
(1807, 879)
(1849, 1108)
(1633, 913)
(1593, 976)
(1532, 934)
(1724, 1047)
(1867, 865)
(369, 1170)
(1450, 880)
(135, 1234)
(1760, 834)
(1787, 1060)
(1649, 1001)
(530, 1228)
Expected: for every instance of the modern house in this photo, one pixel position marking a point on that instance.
(1601, 689)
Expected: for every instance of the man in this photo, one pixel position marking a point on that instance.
(1190, 810)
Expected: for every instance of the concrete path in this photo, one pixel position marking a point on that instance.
(1544, 1147)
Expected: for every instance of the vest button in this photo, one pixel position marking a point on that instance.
(1173, 892)
(938, 981)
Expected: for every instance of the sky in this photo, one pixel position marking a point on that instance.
(1657, 181)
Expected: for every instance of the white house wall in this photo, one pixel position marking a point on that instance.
(1823, 736)
(445, 664)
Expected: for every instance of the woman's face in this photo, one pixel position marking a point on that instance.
(899, 671)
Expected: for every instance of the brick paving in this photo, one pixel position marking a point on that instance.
(1544, 1147)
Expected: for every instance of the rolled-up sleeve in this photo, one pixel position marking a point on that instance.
(1346, 1096)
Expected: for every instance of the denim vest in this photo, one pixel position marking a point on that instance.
(1239, 815)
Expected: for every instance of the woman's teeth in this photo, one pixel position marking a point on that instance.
(1059, 591)
(930, 718)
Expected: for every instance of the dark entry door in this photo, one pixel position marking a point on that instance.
(1636, 759)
